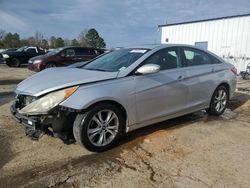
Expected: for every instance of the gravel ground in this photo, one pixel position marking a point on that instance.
(190, 151)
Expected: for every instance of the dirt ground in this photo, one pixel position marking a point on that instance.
(192, 151)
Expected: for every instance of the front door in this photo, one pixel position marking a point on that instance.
(27, 54)
(163, 93)
(67, 57)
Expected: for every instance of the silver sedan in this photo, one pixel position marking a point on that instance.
(123, 90)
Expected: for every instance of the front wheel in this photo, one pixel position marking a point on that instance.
(14, 62)
(50, 65)
(100, 128)
(219, 101)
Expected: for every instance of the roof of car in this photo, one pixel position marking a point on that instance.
(153, 46)
(65, 47)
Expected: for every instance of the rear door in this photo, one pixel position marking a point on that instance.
(84, 54)
(202, 76)
(161, 93)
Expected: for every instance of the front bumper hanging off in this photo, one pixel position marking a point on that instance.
(32, 125)
(58, 123)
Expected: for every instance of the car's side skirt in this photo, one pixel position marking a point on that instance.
(164, 118)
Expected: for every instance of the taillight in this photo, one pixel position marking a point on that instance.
(234, 70)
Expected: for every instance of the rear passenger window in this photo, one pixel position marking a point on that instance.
(195, 57)
(166, 59)
(84, 51)
(214, 60)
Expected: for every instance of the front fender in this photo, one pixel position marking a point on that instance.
(121, 91)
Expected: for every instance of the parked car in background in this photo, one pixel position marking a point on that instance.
(8, 50)
(246, 74)
(5, 51)
(21, 55)
(79, 64)
(122, 91)
(63, 57)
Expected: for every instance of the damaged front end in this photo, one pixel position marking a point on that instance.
(45, 115)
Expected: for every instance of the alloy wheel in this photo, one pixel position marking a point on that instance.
(103, 128)
(220, 100)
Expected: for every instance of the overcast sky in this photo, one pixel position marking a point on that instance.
(119, 22)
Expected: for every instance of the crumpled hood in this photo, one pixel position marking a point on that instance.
(57, 78)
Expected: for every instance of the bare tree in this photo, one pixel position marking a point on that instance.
(67, 42)
(38, 38)
(32, 41)
(2, 34)
(52, 41)
(82, 40)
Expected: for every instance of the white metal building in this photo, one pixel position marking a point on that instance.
(228, 37)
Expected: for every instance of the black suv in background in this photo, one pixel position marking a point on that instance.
(4, 52)
(21, 55)
(63, 57)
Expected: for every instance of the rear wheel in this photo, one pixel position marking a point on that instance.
(100, 128)
(219, 101)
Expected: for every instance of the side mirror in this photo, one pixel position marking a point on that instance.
(148, 69)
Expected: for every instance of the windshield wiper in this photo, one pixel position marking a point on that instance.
(97, 69)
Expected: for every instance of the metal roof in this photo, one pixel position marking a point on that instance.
(205, 20)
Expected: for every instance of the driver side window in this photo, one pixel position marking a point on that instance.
(31, 50)
(165, 58)
(69, 53)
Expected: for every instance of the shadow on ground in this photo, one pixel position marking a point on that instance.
(6, 97)
(238, 100)
(6, 153)
(10, 82)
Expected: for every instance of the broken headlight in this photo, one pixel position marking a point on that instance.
(49, 101)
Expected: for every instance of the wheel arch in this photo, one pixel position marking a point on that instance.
(211, 109)
(225, 84)
(51, 62)
(115, 103)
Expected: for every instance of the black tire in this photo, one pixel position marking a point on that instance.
(213, 109)
(84, 121)
(14, 62)
(50, 65)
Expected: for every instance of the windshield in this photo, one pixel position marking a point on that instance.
(21, 49)
(116, 60)
(55, 51)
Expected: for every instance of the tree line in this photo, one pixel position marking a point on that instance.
(87, 38)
